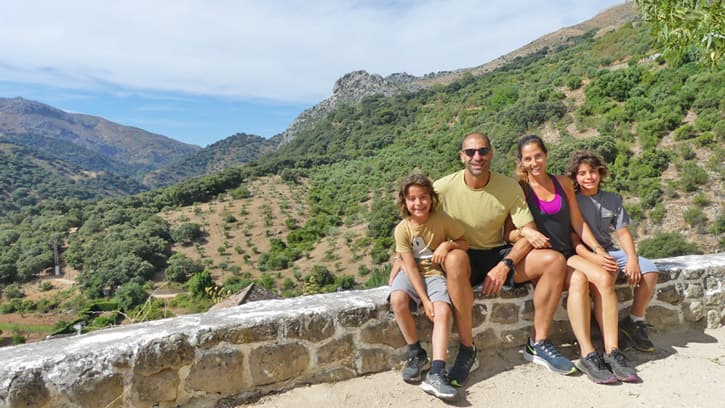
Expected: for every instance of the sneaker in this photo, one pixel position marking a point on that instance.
(545, 354)
(464, 364)
(618, 364)
(438, 384)
(636, 334)
(596, 369)
(415, 365)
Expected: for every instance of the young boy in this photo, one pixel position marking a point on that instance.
(423, 239)
(605, 214)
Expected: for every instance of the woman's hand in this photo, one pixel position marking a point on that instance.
(605, 260)
(535, 238)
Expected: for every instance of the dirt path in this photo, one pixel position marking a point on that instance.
(687, 370)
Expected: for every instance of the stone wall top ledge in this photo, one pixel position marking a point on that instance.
(691, 262)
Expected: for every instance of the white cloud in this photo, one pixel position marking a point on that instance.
(272, 49)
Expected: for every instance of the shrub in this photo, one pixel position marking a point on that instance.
(692, 176)
(665, 245)
(695, 218)
(45, 286)
(130, 295)
(198, 284)
(187, 233)
(13, 291)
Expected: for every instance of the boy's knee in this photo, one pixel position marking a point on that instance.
(399, 301)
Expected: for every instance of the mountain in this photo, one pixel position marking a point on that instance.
(352, 87)
(46, 153)
(128, 150)
(232, 151)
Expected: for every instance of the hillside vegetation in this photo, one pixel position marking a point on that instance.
(285, 220)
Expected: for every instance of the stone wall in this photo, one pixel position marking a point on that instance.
(229, 356)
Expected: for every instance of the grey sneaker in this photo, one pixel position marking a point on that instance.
(438, 384)
(545, 354)
(414, 366)
(596, 369)
(464, 364)
(618, 363)
(636, 334)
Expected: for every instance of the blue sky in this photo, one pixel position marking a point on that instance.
(199, 71)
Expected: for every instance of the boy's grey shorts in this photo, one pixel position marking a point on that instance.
(435, 286)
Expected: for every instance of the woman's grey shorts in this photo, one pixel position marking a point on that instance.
(435, 286)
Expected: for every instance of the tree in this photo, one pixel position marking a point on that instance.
(689, 26)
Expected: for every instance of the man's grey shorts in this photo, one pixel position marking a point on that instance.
(435, 286)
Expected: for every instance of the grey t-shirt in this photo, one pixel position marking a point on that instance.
(605, 214)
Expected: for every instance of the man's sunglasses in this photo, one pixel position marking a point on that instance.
(481, 150)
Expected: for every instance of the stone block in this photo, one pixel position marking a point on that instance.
(667, 275)
(712, 283)
(313, 327)
(693, 291)
(486, 339)
(278, 362)
(355, 317)
(480, 311)
(504, 313)
(328, 375)
(220, 370)
(669, 294)
(28, 389)
(339, 350)
(515, 292)
(423, 326)
(96, 389)
(693, 311)
(624, 293)
(527, 311)
(171, 352)
(693, 274)
(513, 338)
(155, 388)
(243, 335)
(661, 317)
(373, 361)
(714, 319)
(386, 332)
(715, 298)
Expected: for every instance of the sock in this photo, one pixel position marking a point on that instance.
(635, 318)
(437, 366)
(415, 348)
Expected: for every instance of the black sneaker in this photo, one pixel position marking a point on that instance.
(544, 353)
(636, 334)
(465, 363)
(438, 384)
(415, 365)
(596, 369)
(618, 364)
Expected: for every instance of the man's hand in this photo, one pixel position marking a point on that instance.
(631, 269)
(495, 279)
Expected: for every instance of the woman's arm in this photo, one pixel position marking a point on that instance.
(529, 232)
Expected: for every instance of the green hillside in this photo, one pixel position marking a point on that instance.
(234, 150)
(659, 125)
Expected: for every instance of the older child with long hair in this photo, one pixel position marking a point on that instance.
(605, 214)
(423, 239)
(556, 213)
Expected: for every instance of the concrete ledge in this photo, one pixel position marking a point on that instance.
(234, 354)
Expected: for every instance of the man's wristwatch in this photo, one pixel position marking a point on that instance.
(509, 263)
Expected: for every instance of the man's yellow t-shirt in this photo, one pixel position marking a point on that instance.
(483, 211)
